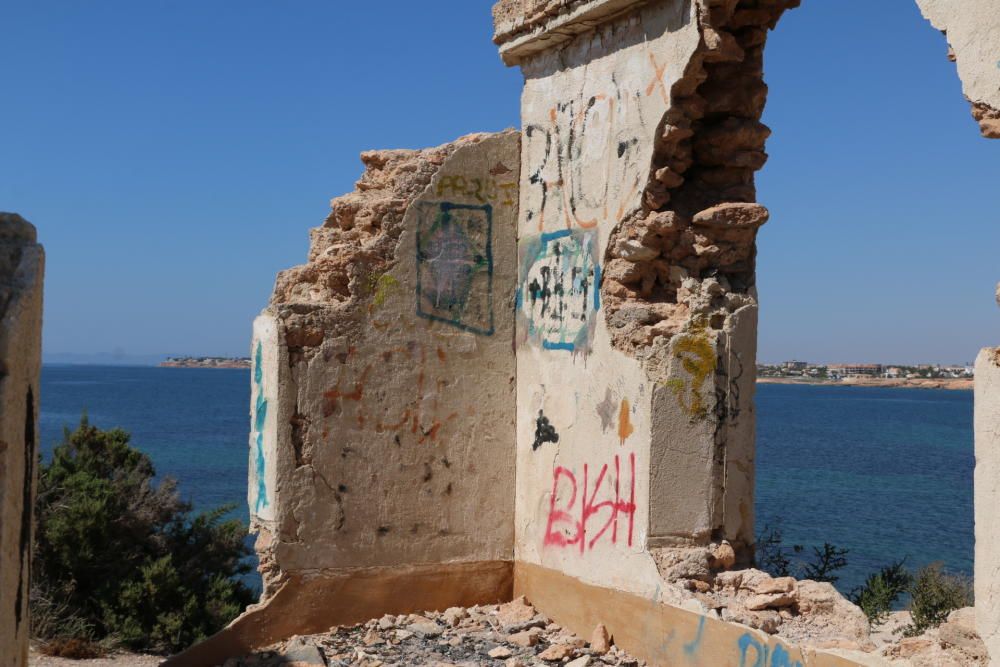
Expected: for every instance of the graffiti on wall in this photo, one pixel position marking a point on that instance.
(495, 190)
(544, 432)
(696, 352)
(455, 265)
(597, 504)
(417, 412)
(755, 653)
(583, 161)
(559, 292)
(728, 373)
(259, 419)
(625, 427)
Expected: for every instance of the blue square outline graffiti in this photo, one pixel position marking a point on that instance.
(443, 214)
(534, 247)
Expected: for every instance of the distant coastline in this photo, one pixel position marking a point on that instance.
(965, 384)
(206, 362)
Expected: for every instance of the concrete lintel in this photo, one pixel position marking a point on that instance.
(529, 34)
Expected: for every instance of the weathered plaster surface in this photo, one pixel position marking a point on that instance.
(388, 371)
(987, 499)
(640, 140)
(973, 31)
(266, 365)
(22, 264)
(589, 110)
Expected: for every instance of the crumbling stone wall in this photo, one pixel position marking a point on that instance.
(21, 271)
(636, 308)
(383, 375)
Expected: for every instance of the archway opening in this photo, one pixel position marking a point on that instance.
(881, 216)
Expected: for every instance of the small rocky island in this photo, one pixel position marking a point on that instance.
(206, 362)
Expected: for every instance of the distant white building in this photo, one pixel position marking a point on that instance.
(855, 370)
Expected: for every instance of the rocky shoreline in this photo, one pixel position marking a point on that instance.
(205, 362)
(964, 384)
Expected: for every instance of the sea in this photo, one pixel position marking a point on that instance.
(885, 473)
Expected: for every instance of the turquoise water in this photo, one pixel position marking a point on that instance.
(886, 473)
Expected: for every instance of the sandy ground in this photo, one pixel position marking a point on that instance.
(36, 659)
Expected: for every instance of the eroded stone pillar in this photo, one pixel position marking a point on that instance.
(22, 263)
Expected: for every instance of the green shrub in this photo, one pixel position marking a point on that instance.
(772, 556)
(935, 594)
(825, 563)
(881, 591)
(126, 558)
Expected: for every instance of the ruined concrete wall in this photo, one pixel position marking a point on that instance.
(21, 271)
(973, 31)
(590, 110)
(987, 499)
(383, 375)
(636, 306)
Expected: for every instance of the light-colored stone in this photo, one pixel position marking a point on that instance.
(769, 601)
(600, 640)
(425, 629)
(525, 638)
(454, 615)
(775, 585)
(557, 652)
(302, 654)
(499, 652)
(723, 556)
(515, 613)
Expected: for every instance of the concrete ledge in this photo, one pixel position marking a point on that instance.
(658, 633)
(308, 604)
(550, 26)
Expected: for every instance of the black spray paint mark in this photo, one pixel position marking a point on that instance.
(26, 505)
(544, 432)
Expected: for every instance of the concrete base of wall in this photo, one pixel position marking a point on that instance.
(658, 633)
(309, 604)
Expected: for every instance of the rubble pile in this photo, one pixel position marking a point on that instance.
(513, 634)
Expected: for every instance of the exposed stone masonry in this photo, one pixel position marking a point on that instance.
(699, 221)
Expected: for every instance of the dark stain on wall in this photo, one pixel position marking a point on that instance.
(26, 507)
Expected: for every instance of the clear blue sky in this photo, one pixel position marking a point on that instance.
(175, 154)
